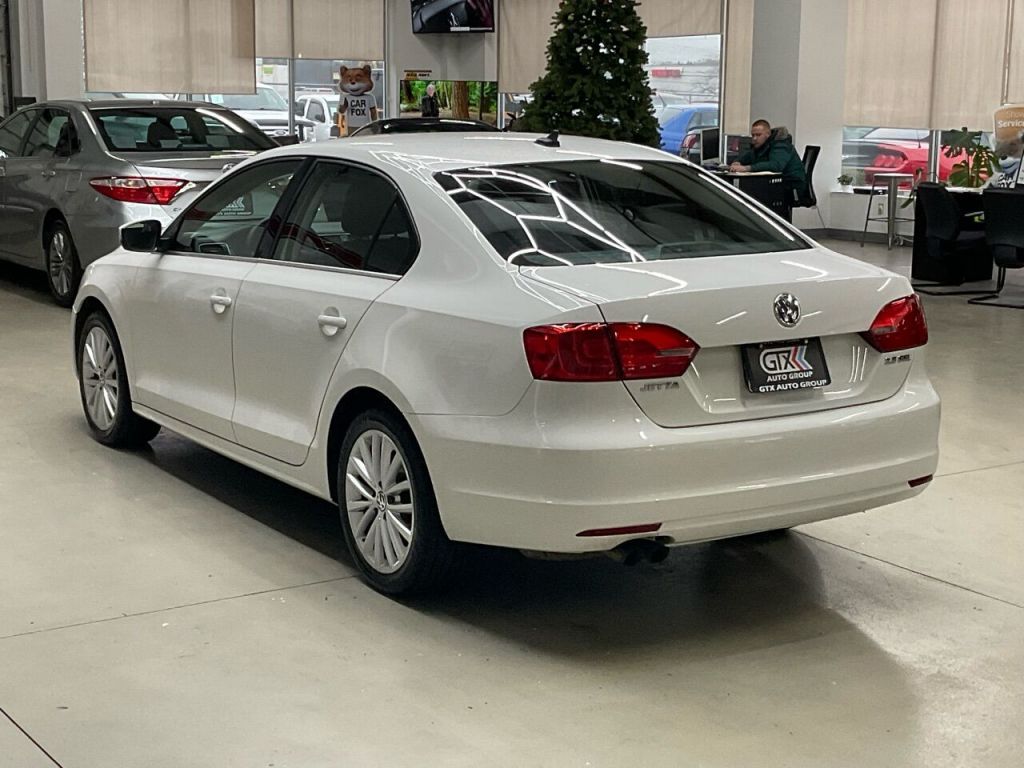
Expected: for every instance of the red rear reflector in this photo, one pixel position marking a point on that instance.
(607, 351)
(920, 481)
(899, 325)
(136, 189)
(624, 530)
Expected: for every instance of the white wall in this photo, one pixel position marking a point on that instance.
(50, 52)
(471, 56)
(773, 81)
(819, 105)
(65, 49)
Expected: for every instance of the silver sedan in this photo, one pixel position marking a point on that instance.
(72, 173)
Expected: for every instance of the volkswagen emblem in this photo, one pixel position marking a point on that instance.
(787, 310)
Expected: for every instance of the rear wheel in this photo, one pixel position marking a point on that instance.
(63, 272)
(388, 510)
(103, 386)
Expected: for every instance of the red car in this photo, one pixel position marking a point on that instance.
(893, 150)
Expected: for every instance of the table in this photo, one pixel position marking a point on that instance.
(767, 188)
(890, 183)
(933, 268)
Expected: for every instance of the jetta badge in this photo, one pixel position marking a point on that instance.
(787, 310)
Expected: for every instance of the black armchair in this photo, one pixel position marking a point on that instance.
(950, 238)
(1004, 231)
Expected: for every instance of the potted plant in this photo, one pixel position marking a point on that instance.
(977, 162)
(845, 180)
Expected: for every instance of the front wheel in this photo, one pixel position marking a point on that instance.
(63, 272)
(388, 511)
(103, 386)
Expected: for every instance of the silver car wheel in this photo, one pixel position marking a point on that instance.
(378, 501)
(61, 263)
(100, 378)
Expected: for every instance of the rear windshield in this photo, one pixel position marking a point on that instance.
(607, 211)
(176, 129)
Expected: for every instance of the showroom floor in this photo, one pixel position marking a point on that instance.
(171, 608)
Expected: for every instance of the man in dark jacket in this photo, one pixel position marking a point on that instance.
(428, 104)
(774, 151)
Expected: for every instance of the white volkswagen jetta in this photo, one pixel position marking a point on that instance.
(559, 346)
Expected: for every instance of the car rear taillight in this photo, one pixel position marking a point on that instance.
(890, 159)
(607, 351)
(899, 325)
(138, 189)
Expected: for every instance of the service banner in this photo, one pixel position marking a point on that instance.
(1009, 123)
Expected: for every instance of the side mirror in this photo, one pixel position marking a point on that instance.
(335, 131)
(141, 236)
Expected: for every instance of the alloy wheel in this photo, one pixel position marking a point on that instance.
(100, 378)
(379, 501)
(61, 263)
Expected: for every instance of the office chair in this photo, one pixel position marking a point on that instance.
(810, 199)
(947, 240)
(1004, 232)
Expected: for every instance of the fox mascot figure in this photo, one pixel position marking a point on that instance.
(358, 106)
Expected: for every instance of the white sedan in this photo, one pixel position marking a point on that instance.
(556, 345)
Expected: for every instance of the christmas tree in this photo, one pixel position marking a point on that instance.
(595, 84)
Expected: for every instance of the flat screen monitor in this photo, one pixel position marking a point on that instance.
(433, 16)
(708, 145)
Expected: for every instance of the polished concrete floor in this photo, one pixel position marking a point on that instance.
(171, 608)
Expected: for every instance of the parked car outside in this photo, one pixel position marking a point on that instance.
(266, 109)
(320, 109)
(675, 120)
(892, 150)
(577, 346)
(72, 172)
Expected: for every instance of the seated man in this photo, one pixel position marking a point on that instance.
(774, 151)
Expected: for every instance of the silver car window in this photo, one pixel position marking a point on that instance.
(231, 218)
(12, 132)
(45, 133)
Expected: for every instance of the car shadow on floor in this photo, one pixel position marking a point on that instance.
(732, 596)
(24, 282)
(300, 516)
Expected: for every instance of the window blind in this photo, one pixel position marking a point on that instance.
(178, 46)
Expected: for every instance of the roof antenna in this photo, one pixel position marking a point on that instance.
(551, 140)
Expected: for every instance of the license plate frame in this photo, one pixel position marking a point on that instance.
(795, 365)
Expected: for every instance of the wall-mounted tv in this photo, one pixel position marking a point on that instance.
(430, 16)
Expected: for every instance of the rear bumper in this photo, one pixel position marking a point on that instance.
(537, 477)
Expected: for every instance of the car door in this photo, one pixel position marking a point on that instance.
(35, 182)
(346, 240)
(12, 137)
(182, 303)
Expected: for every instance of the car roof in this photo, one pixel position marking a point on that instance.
(419, 152)
(136, 103)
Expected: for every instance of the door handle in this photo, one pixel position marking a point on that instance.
(48, 174)
(331, 324)
(220, 303)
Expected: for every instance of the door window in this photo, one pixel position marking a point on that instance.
(45, 133)
(230, 220)
(316, 111)
(349, 217)
(12, 131)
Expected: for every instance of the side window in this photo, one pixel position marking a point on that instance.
(13, 130)
(348, 217)
(231, 219)
(45, 133)
(316, 111)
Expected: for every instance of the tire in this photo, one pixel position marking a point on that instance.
(389, 517)
(103, 386)
(63, 272)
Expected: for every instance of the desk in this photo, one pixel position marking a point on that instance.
(767, 188)
(931, 266)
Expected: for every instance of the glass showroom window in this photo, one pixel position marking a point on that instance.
(685, 75)
(868, 150)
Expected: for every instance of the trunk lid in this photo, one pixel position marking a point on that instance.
(726, 302)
